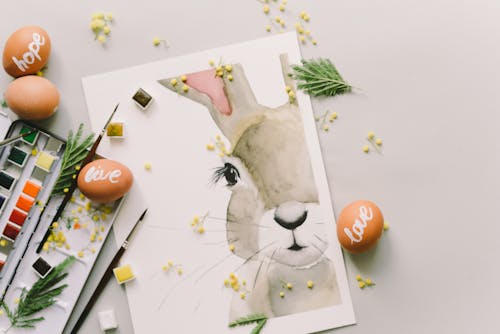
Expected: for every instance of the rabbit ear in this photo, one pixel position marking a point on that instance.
(287, 77)
(229, 101)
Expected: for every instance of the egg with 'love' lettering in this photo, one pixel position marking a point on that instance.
(26, 51)
(359, 226)
(104, 180)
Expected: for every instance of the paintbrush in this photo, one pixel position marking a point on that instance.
(15, 138)
(73, 186)
(107, 275)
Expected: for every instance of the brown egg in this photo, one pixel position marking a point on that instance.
(32, 97)
(26, 51)
(104, 180)
(359, 226)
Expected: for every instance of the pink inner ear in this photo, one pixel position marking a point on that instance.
(208, 83)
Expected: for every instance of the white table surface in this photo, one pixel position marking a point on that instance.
(430, 75)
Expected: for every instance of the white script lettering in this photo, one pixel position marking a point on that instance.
(97, 174)
(365, 215)
(33, 53)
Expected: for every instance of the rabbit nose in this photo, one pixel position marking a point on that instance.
(290, 215)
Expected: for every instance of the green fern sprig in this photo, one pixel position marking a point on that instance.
(76, 151)
(260, 319)
(319, 78)
(39, 297)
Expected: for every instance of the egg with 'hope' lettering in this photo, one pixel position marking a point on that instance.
(26, 51)
(359, 226)
(104, 180)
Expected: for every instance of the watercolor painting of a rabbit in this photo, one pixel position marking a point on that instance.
(273, 219)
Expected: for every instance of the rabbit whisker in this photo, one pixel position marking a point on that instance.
(220, 242)
(320, 239)
(235, 221)
(271, 258)
(254, 254)
(175, 285)
(214, 266)
(257, 274)
(317, 248)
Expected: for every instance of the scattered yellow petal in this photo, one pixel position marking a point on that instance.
(211, 62)
(242, 295)
(288, 89)
(164, 267)
(230, 77)
(226, 282)
(282, 8)
(106, 30)
(1, 312)
(361, 285)
(46, 246)
(268, 28)
(366, 148)
(277, 19)
(282, 294)
(231, 248)
(55, 225)
(156, 41)
(289, 286)
(371, 135)
(210, 147)
(359, 278)
(266, 9)
(326, 128)
(173, 82)
(80, 254)
(3, 243)
(101, 38)
(147, 166)
(183, 78)
(378, 141)
(314, 42)
(185, 88)
(310, 284)
(228, 68)
(201, 230)
(368, 281)
(16, 300)
(386, 226)
(65, 190)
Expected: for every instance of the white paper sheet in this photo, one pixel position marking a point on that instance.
(171, 135)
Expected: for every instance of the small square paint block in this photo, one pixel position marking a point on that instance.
(42, 268)
(53, 145)
(11, 232)
(45, 161)
(25, 202)
(31, 138)
(123, 274)
(32, 188)
(142, 99)
(18, 217)
(18, 157)
(107, 320)
(3, 201)
(7, 181)
(116, 130)
(6, 245)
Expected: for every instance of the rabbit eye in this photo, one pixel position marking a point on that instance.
(229, 172)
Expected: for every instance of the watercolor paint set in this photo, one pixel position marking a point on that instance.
(29, 169)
